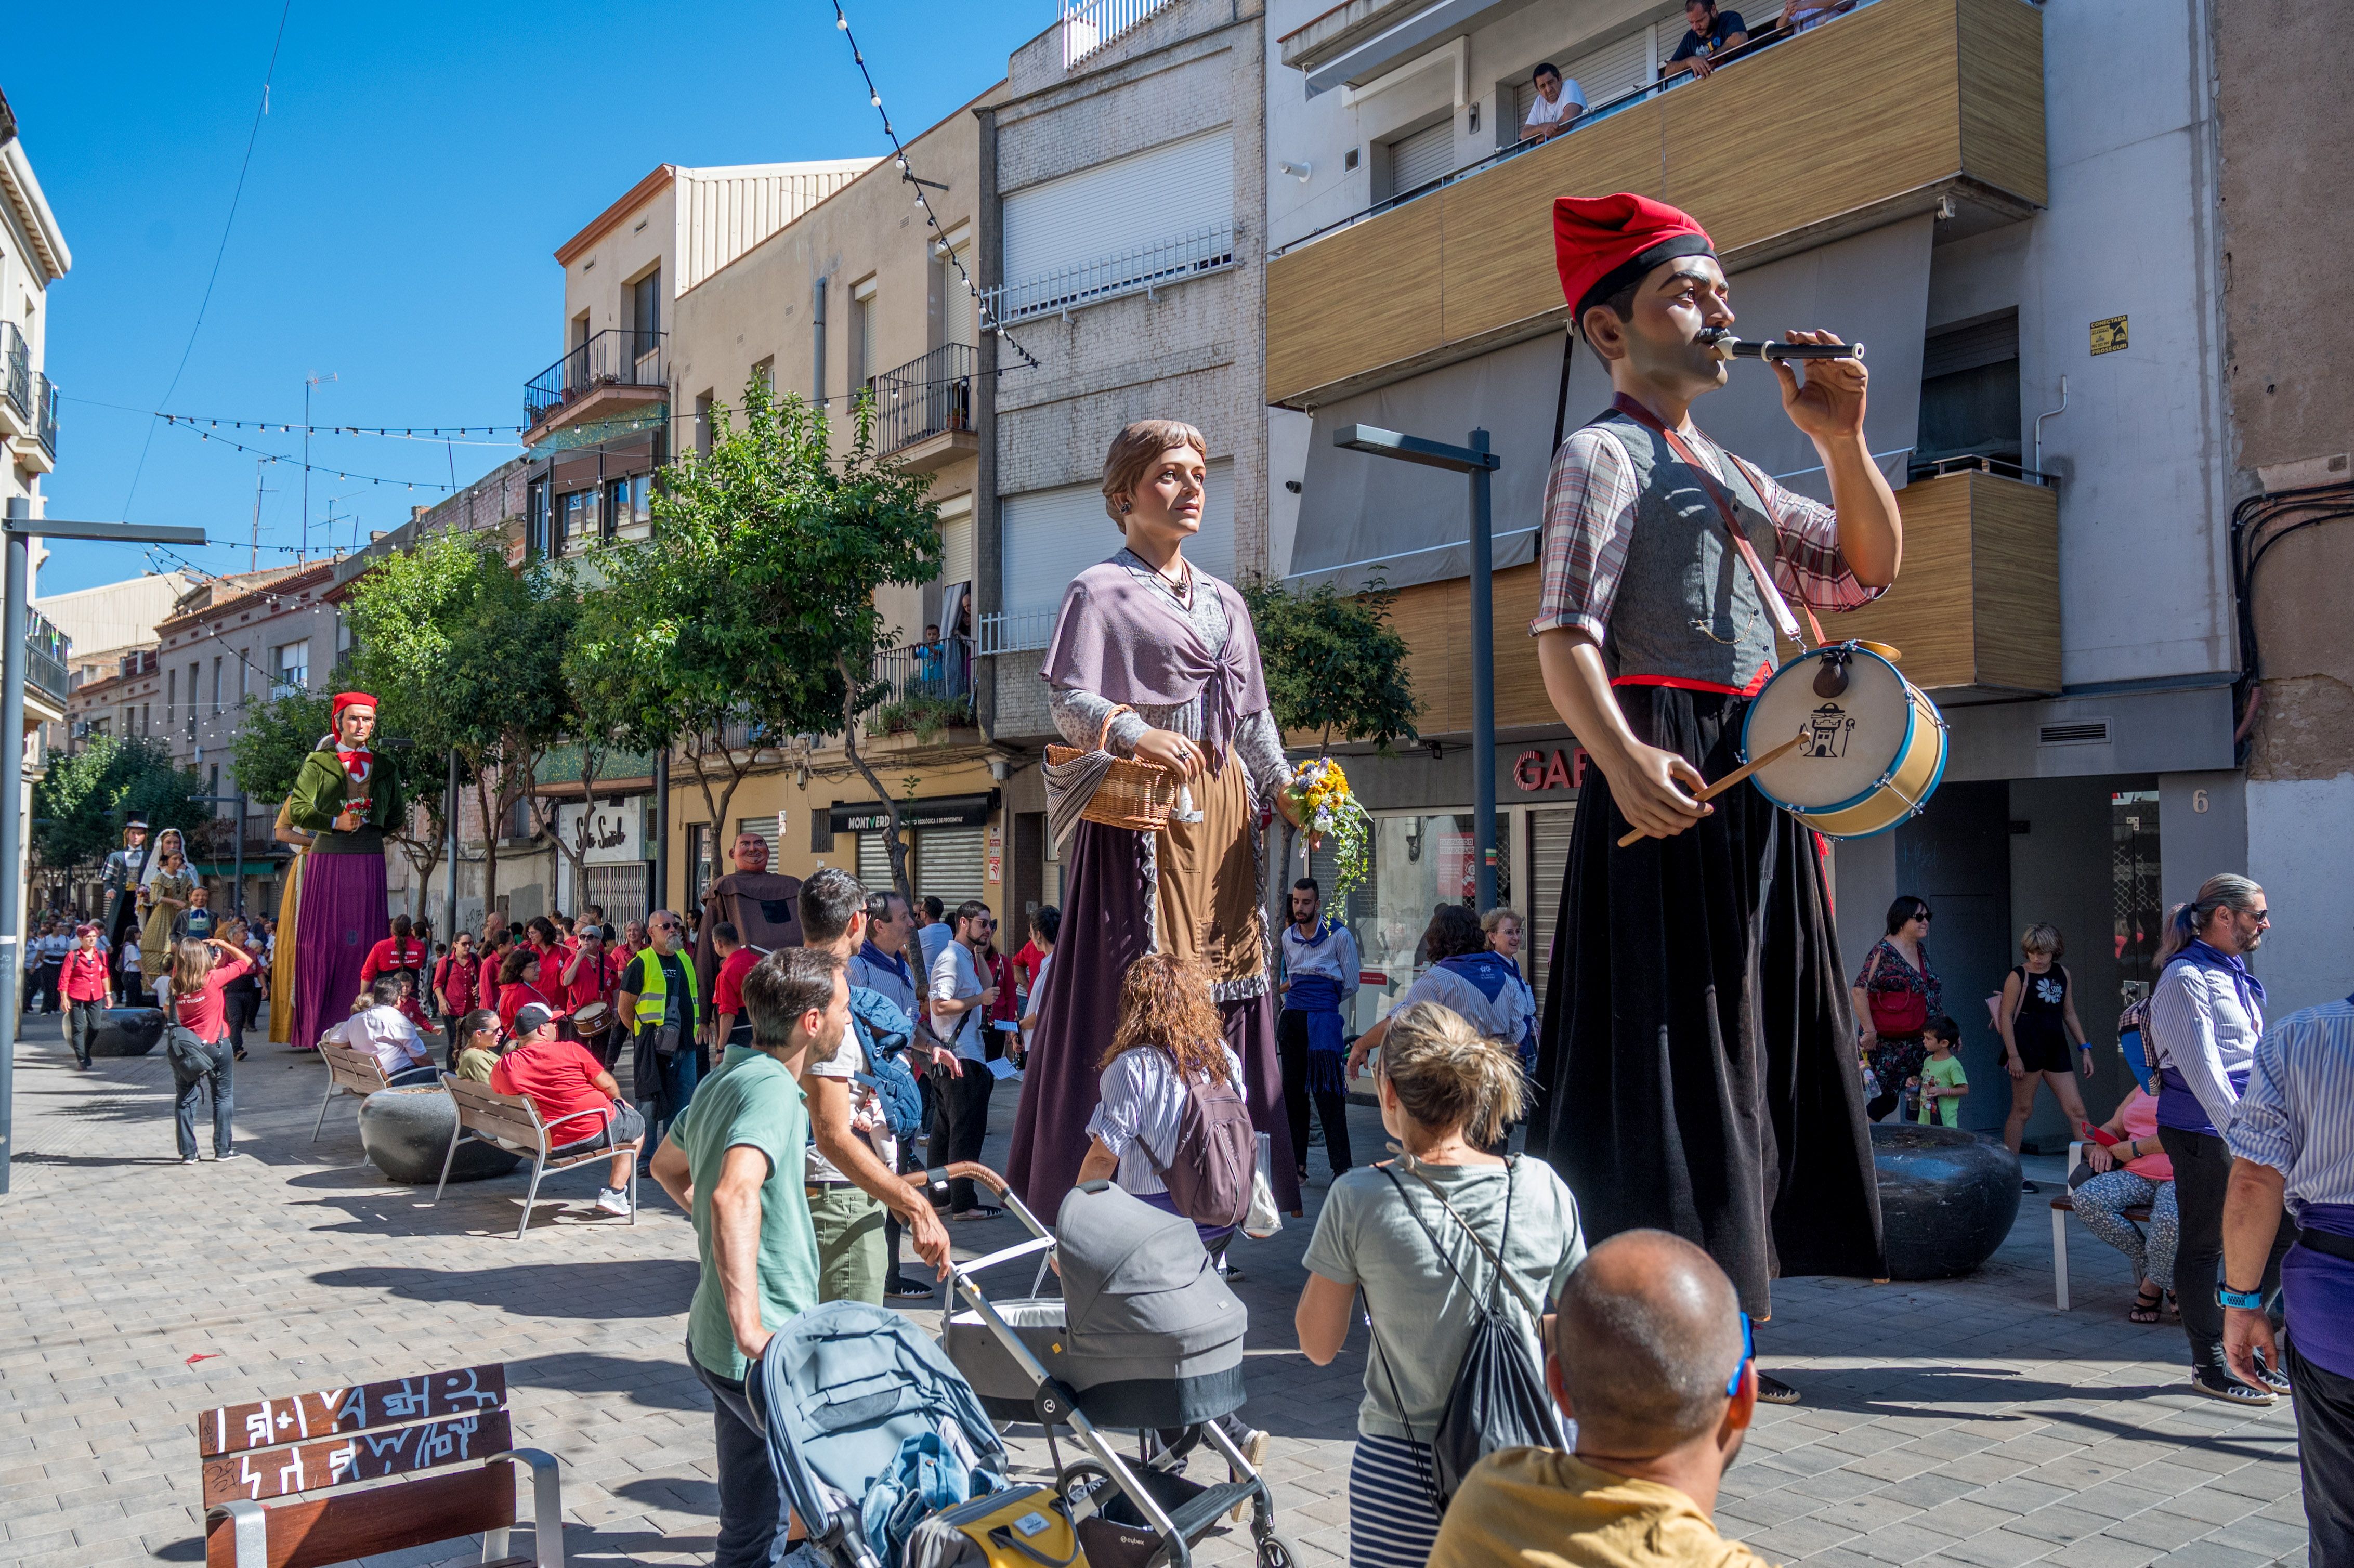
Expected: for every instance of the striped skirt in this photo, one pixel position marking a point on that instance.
(1390, 1522)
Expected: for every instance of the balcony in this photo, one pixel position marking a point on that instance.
(49, 653)
(41, 457)
(927, 688)
(1090, 26)
(1144, 270)
(15, 382)
(1914, 105)
(615, 369)
(923, 411)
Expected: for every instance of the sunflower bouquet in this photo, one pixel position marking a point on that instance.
(1328, 808)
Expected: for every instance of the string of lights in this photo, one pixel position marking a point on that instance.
(342, 473)
(439, 433)
(875, 96)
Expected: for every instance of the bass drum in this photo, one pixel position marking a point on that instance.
(1873, 753)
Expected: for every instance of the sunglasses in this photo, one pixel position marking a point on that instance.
(1748, 1354)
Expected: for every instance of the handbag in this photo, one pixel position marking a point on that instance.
(189, 1057)
(1894, 1014)
(1094, 786)
(1498, 1399)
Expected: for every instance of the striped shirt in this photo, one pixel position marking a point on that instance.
(2295, 1115)
(1590, 516)
(2204, 1022)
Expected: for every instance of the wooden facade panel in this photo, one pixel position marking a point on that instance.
(1434, 619)
(2015, 583)
(1929, 614)
(1364, 296)
(1499, 263)
(1744, 157)
(2000, 55)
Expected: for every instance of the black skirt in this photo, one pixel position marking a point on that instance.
(1698, 1058)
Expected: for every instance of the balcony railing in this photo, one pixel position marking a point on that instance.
(927, 687)
(1137, 271)
(17, 369)
(1016, 631)
(48, 653)
(614, 357)
(924, 397)
(1089, 25)
(45, 413)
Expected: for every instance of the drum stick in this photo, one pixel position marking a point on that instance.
(1730, 779)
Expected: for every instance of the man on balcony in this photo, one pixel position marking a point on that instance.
(1697, 1062)
(1711, 33)
(1557, 107)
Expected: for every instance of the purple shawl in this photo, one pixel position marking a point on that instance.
(1128, 643)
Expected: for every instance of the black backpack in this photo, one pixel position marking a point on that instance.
(1209, 1176)
(1498, 1399)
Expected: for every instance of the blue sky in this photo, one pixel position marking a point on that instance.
(418, 164)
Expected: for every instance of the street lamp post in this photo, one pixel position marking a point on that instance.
(22, 529)
(1480, 463)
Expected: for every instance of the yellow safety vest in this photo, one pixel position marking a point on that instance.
(655, 1000)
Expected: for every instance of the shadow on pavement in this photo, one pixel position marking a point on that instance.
(589, 1291)
(658, 1383)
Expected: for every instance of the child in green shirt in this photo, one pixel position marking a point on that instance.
(1942, 1081)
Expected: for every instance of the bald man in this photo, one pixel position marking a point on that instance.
(1651, 1359)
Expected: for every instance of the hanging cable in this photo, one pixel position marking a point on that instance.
(342, 473)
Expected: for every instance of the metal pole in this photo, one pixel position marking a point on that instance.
(661, 899)
(12, 846)
(450, 817)
(240, 852)
(1483, 682)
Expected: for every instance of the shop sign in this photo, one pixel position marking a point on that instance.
(940, 812)
(1555, 767)
(996, 852)
(604, 834)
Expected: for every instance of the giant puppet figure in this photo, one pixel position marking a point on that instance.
(1698, 1055)
(348, 801)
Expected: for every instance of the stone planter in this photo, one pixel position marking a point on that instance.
(1947, 1197)
(128, 1032)
(406, 1132)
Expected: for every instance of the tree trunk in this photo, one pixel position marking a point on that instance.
(699, 754)
(895, 843)
(576, 856)
(490, 843)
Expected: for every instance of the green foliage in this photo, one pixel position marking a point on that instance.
(1334, 664)
(919, 715)
(80, 805)
(272, 740)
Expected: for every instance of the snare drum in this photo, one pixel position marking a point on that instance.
(1873, 753)
(591, 1019)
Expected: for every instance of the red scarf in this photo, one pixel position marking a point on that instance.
(357, 766)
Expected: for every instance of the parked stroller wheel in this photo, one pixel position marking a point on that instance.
(1080, 1484)
(1275, 1551)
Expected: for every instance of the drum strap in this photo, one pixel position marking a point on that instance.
(1776, 605)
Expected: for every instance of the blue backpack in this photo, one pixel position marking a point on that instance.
(885, 1032)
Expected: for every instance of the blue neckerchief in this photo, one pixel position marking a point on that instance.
(1489, 972)
(1324, 929)
(2198, 954)
(875, 956)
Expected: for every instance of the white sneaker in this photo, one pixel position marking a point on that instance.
(612, 1201)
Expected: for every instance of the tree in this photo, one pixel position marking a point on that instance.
(751, 618)
(470, 656)
(1334, 664)
(80, 804)
(274, 736)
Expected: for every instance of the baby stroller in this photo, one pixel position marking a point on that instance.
(1146, 1338)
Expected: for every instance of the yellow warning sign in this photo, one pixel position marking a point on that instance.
(2108, 336)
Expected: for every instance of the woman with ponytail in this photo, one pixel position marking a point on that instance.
(2206, 1016)
(1446, 1092)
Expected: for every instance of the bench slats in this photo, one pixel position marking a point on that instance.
(354, 1524)
(349, 1067)
(272, 1423)
(261, 1474)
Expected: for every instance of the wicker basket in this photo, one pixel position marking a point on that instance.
(1140, 796)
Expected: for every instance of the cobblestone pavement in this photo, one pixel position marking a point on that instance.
(1966, 1422)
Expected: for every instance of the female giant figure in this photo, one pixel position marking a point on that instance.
(1148, 631)
(344, 798)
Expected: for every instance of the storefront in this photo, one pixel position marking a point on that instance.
(610, 837)
(955, 846)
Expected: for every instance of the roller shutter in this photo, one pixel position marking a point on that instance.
(1549, 831)
(948, 864)
(1419, 159)
(1053, 536)
(1168, 191)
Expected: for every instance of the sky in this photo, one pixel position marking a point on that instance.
(417, 167)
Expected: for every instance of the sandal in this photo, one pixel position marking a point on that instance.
(978, 1212)
(2145, 1306)
(2217, 1383)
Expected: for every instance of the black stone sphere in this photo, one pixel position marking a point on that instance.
(1947, 1197)
(406, 1132)
(128, 1032)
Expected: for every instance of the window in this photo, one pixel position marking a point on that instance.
(1417, 159)
(1969, 391)
(1052, 536)
(212, 783)
(290, 667)
(958, 317)
(217, 683)
(535, 521)
(703, 424)
(577, 511)
(1186, 186)
(645, 309)
(619, 501)
(956, 539)
(194, 670)
(862, 368)
(146, 713)
(765, 373)
(171, 696)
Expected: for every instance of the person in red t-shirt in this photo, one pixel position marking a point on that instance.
(89, 987)
(496, 945)
(401, 950)
(519, 985)
(199, 970)
(730, 1026)
(578, 1101)
(455, 979)
(583, 978)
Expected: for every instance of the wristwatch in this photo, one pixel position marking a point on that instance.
(2246, 1300)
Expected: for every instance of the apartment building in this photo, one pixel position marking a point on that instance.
(2018, 219)
(1122, 249)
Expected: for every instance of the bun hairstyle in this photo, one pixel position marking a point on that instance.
(1449, 1076)
(1137, 448)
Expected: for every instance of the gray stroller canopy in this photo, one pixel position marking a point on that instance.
(1144, 1303)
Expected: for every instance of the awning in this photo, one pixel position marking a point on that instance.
(1361, 517)
(938, 811)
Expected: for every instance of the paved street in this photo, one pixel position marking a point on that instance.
(1966, 1422)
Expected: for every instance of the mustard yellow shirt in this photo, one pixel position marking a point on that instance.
(1539, 1508)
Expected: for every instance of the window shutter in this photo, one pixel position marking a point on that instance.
(1419, 159)
(1060, 224)
(948, 864)
(764, 829)
(874, 862)
(1549, 831)
(956, 542)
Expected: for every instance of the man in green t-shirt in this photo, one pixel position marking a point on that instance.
(1943, 1082)
(734, 1159)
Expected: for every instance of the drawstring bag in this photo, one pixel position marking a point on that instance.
(1499, 1398)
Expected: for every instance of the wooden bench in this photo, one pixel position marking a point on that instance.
(2061, 1207)
(276, 1473)
(350, 1071)
(512, 1122)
